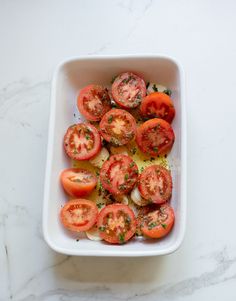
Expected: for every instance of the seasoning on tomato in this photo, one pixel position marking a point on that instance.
(93, 102)
(119, 174)
(79, 215)
(155, 184)
(158, 223)
(116, 223)
(82, 141)
(155, 137)
(158, 105)
(78, 182)
(118, 127)
(128, 90)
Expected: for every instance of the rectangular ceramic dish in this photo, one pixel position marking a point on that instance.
(68, 79)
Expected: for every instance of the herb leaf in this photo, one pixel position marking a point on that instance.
(147, 85)
(164, 226)
(121, 238)
(102, 228)
(154, 87)
(168, 92)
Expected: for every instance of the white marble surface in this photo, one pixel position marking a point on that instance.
(35, 36)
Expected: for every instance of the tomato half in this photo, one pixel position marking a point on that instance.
(116, 223)
(119, 174)
(155, 184)
(118, 127)
(158, 105)
(128, 90)
(155, 137)
(78, 182)
(158, 223)
(79, 215)
(93, 102)
(82, 141)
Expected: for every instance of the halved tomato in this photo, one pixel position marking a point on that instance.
(158, 105)
(119, 174)
(155, 137)
(118, 127)
(79, 215)
(93, 102)
(78, 182)
(155, 184)
(128, 90)
(158, 223)
(82, 141)
(116, 223)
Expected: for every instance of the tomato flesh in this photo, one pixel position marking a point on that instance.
(155, 184)
(155, 137)
(79, 215)
(119, 174)
(93, 102)
(118, 127)
(158, 223)
(158, 105)
(78, 182)
(82, 141)
(128, 90)
(116, 223)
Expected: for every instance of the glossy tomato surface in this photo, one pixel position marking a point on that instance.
(128, 90)
(116, 223)
(82, 141)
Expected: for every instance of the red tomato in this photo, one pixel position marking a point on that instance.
(78, 182)
(93, 102)
(82, 141)
(155, 137)
(128, 90)
(79, 215)
(158, 223)
(116, 223)
(155, 184)
(158, 105)
(119, 174)
(118, 127)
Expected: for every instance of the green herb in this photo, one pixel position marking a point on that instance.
(147, 85)
(151, 226)
(110, 118)
(164, 226)
(126, 176)
(75, 151)
(133, 150)
(168, 92)
(128, 220)
(122, 186)
(142, 169)
(131, 164)
(155, 149)
(108, 181)
(97, 173)
(121, 238)
(102, 228)
(99, 205)
(87, 137)
(113, 79)
(152, 159)
(154, 87)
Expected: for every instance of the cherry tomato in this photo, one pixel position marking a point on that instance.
(155, 184)
(82, 141)
(78, 182)
(79, 215)
(158, 223)
(155, 137)
(128, 90)
(119, 174)
(116, 223)
(158, 105)
(118, 127)
(93, 102)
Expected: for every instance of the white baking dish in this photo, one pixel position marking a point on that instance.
(68, 79)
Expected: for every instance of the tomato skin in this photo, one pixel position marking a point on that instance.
(118, 127)
(116, 223)
(155, 184)
(82, 141)
(119, 174)
(158, 105)
(128, 90)
(79, 215)
(158, 223)
(155, 137)
(78, 182)
(93, 102)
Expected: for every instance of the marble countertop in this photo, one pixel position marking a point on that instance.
(35, 37)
